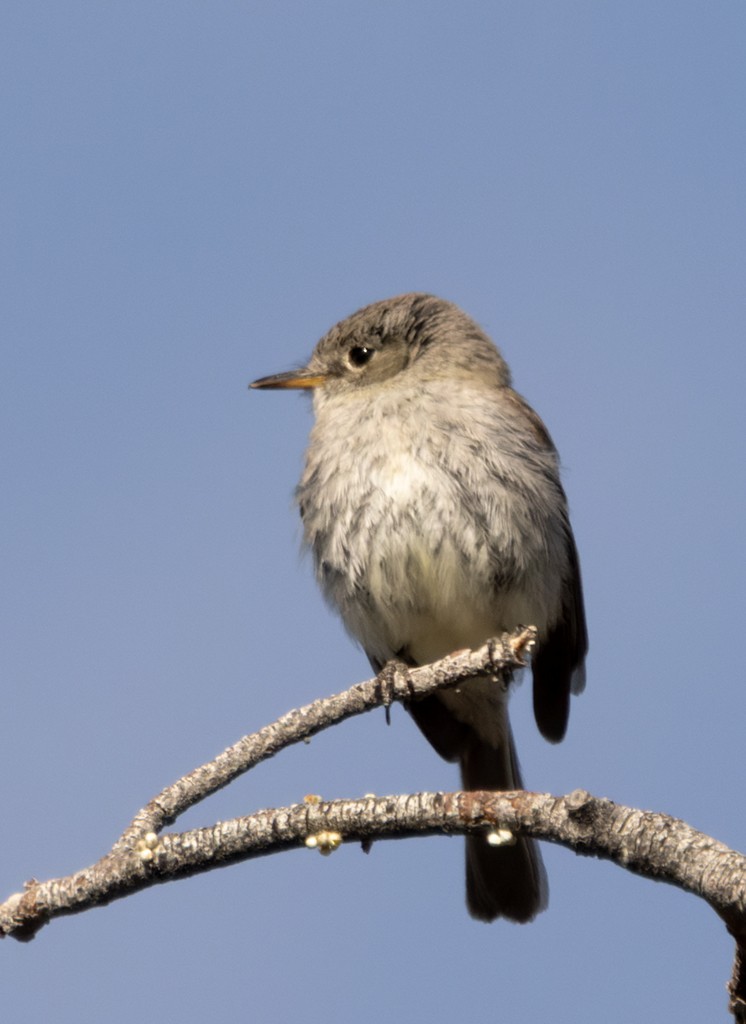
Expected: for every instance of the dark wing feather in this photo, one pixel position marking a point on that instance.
(558, 664)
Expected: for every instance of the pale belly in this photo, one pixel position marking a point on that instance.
(425, 604)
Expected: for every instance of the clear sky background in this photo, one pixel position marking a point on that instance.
(192, 194)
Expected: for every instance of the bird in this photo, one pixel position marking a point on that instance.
(432, 503)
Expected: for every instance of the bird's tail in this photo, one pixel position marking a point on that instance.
(501, 881)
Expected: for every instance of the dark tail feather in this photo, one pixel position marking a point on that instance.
(501, 881)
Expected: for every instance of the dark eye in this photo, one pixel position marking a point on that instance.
(360, 355)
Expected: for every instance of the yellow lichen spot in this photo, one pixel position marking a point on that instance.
(500, 837)
(325, 842)
(148, 847)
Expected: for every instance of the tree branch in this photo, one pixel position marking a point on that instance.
(651, 845)
(397, 682)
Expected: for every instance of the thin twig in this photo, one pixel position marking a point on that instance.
(397, 682)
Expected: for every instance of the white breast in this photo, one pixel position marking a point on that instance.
(410, 563)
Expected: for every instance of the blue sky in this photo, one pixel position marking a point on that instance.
(192, 194)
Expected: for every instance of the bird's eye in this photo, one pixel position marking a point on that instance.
(360, 355)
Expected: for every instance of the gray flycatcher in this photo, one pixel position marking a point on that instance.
(432, 503)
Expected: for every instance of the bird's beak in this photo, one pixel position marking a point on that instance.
(292, 379)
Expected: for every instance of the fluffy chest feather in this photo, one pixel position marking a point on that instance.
(416, 530)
